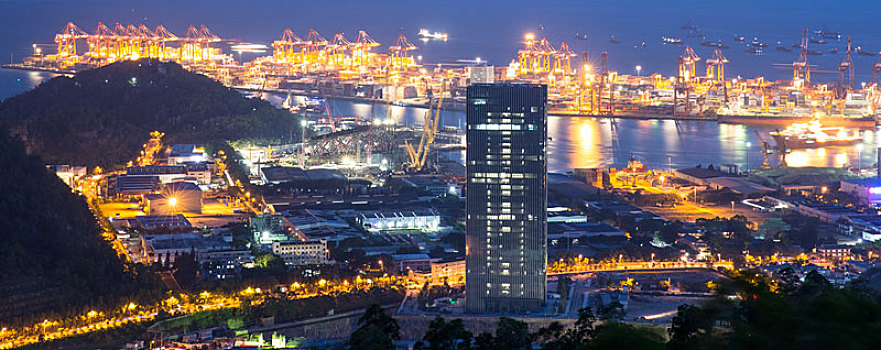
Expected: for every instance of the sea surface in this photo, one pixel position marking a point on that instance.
(493, 29)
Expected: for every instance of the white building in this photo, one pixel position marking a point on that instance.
(302, 253)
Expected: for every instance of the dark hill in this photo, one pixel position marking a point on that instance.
(102, 116)
(52, 257)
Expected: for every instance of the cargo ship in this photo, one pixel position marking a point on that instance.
(813, 135)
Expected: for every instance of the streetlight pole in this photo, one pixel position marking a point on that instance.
(748, 146)
(860, 157)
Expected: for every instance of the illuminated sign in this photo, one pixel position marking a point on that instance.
(875, 190)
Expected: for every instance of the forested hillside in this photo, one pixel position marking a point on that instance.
(102, 116)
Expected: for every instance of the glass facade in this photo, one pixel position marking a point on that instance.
(506, 227)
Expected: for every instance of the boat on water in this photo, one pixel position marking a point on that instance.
(716, 44)
(755, 50)
(580, 36)
(613, 40)
(813, 52)
(757, 43)
(739, 38)
(310, 105)
(819, 41)
(781, 47)
(834, 50)
(813, 135)
(688, 27)
(671, 41)
(859, 50)
(828, 34)
(424, 34)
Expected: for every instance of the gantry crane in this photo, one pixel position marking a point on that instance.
(527, 54)
(845, 73)
(399, 54)
(313, 48)
(716, 66)
(361, 49)
(336, 50)
(66, 40)
(687, 65)
(418, 156)
(767, 151)
(101, 43)
(563, 59)
(283, 49)
(801, 69)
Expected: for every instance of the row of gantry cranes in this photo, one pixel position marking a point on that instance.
(586, 91)
(200, 46)
(594, 92)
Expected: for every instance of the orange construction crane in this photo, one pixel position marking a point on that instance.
(419, 156)
(801, 69)
(563, 59)
(399, 54)
(361, 49)
(283, 49)
(716, 66)
(66, 40)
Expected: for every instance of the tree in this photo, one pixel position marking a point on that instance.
(377, 330)
(689, 324)
(442, 335)
(185, 269)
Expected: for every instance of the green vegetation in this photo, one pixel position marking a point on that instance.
(52, 256)
(102, 116)
(376, 331)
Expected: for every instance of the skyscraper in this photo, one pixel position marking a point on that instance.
(506, 229)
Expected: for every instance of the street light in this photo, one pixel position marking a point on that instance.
(638, 69)
(859, 157)
(748, 146)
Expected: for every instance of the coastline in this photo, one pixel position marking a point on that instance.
(452, 105)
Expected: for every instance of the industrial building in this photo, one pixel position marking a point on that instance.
(299, 253)
(423, 220)
(867, 190)
(506, 202)
(176, 197)
(267, 229)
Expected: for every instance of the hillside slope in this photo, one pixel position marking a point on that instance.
(102, 116)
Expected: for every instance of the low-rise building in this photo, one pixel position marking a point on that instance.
(298, 253)
(867, 190)
(166, 173)
(152, 222)
(424, 220)
(133, 185)
(451, 270)
(834, 251)
(165, 248)
(268, 229)
(865, 227)
(176, 197)
(70, 174)
(415, 262)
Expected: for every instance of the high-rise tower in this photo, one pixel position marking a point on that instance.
(506, 230)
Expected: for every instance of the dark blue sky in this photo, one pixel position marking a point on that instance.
(486, 28)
